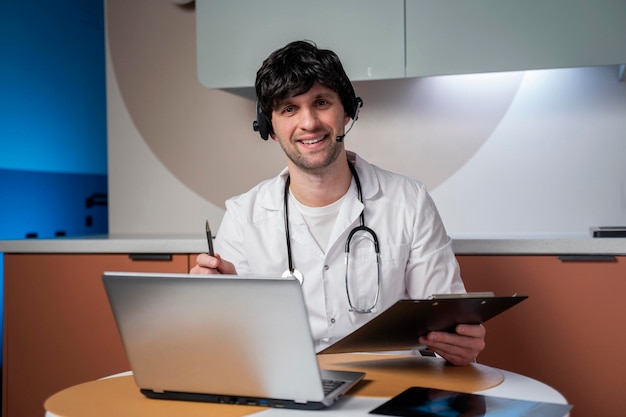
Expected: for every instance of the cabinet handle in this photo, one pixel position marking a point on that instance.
(150, 256)
(587, 258)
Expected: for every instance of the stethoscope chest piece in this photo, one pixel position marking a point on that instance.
(295, 274)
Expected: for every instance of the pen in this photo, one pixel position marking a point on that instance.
(209, 238)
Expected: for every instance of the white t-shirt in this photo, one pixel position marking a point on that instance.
(320, 220)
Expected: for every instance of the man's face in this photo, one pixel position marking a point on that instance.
(307, 126)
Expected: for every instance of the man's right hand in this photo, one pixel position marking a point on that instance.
(206, 264)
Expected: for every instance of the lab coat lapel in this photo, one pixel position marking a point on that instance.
(348, 216)
(300, 235)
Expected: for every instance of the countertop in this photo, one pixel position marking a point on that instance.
(562, 245)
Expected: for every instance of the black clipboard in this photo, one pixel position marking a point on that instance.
(400, 326)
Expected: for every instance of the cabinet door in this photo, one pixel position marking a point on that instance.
(235, 36)
(569, 333)
(459, 37)
(59, 330)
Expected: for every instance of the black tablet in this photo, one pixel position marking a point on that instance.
(430, 402)
(400, 326)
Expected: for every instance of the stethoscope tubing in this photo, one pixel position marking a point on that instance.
(292, 271)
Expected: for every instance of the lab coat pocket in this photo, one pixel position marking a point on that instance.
(371, 276)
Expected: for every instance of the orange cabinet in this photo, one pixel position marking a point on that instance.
(569, 334)
(59, 330)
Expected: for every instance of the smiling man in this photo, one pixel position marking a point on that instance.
(358, 237)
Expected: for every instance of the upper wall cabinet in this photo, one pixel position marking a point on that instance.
(382, 39)
(235, 36)
(457, 37)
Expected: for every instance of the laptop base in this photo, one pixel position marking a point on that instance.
(232, 399)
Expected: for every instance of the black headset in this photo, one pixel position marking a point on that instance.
(263, 125)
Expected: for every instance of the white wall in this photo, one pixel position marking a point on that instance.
(555, 164)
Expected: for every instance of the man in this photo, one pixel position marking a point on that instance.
(301, 221)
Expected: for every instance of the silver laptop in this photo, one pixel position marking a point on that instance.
(224, 339)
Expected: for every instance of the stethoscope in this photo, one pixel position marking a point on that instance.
(293, 272)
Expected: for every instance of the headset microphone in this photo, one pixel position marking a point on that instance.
(354, 115)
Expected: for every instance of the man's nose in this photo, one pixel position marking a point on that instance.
(308, 118)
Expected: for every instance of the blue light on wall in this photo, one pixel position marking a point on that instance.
(53, 157)
(48, 205)
(52, 86)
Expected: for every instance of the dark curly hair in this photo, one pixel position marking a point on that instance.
(293, 69)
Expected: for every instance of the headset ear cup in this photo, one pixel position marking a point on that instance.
(261, 124)
(351, 102)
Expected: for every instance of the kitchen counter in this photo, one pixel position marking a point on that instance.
(195, 244)
(109, 244)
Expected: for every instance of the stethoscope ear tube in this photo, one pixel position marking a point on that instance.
(291, 270)
(347, 253)
(364, 229)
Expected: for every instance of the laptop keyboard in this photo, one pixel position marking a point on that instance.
(330, 385)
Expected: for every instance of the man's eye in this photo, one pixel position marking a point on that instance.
(288, 109)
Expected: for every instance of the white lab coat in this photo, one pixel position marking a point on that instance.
(416, 255)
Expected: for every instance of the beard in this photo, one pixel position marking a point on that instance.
(317, 162)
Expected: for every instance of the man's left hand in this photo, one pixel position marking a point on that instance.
(460, 348)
